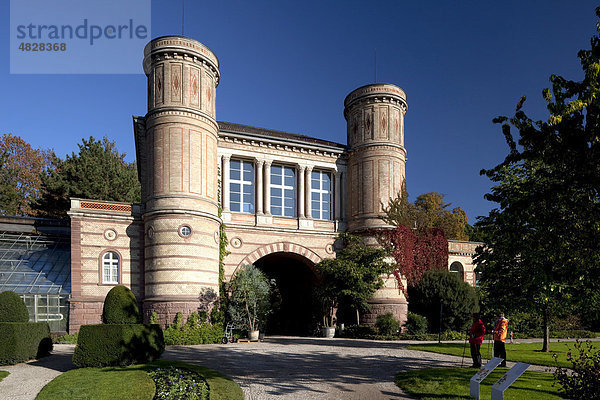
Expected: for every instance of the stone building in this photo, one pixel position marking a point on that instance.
(284, 197)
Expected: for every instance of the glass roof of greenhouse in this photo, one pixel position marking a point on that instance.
(35, 256)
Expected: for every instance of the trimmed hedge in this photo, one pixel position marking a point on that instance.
(12, 308)
(118, 344)
(120, 307)
(23, 341)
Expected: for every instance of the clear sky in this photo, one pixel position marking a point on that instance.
(288, 65)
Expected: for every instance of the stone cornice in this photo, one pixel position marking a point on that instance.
(179, 112)
(173, 47)
(291, 145)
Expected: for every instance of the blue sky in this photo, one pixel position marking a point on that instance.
(288, 66)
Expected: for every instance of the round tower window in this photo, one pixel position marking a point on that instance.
(185, 231)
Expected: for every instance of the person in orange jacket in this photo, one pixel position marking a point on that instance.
(476, 339)
(500, 329)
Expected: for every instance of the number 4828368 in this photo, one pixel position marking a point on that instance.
(42, 46)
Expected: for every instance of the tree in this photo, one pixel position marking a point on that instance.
(99, 171)
(541, 242)
(428, 211)
(352, 277)
(249, 301)
(20, 176)
(441, 288)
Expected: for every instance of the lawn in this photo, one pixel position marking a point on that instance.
(524, 352)
(128, 383)
(3, 374)
(453, 384)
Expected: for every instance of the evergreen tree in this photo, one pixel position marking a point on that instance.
(98, 171)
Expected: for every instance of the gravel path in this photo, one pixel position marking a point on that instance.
(27, 379)
(280, 367)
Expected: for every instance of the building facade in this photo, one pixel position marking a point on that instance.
(283, 197)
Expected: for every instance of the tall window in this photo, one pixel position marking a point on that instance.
(458, 269)
(110, 268)
(241, 186)
(283, 191)
(320, 192)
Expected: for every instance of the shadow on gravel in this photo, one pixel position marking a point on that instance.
(283, 372)
(60, 361)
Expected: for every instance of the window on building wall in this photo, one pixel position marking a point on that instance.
(477, 277)
(283, 191)
(241, 186)
(110, 268)
(320, 192)
(457, 268)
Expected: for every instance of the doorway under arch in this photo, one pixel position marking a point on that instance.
(291, 300)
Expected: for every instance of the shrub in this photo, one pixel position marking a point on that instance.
(359, 332)
(194, 331)
(12, 308)
(23, 341)
(582, 380)
(118, 344)
(387, 325)
(415, 324)
(120, 307)
(441, 286)
(67, 338)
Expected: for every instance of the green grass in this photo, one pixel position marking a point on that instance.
(524, 352)
(128, 383)
(3, 374)
(453, 384)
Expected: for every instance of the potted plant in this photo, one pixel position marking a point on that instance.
(328, 306)
(249, 301)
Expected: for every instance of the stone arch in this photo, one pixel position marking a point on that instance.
(280, 247)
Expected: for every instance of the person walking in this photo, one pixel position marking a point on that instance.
(500, 329)
(476, 339)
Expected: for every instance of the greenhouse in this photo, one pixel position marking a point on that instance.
(35, 262)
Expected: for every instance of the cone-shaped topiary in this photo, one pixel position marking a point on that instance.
(120, 307)
(12, 308)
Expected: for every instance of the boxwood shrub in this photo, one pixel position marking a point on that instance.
(23, 341)
(118, 344)
(12, 308)
(120, 307)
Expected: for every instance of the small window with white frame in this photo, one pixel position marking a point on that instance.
(110, 268)
(283, 191)
(241, 186)
(320, 192)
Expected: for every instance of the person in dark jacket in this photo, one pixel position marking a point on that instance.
(476, 339)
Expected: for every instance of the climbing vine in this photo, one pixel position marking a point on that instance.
(415, 251)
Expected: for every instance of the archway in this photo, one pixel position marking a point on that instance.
(291, 301)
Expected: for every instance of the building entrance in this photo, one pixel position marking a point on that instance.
(291, 299)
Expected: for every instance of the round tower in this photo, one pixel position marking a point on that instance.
(179, 176)
(377, 157)
(376, 170)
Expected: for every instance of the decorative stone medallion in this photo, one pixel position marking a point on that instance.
(150, 233)
(236, 242)
(329, 249)
(110, 234)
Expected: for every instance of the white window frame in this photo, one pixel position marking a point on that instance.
(111, 264)
(317, 205)
(283, 187)
(244, 207)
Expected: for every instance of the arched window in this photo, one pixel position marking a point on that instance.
(457, 268)
(110, 268)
